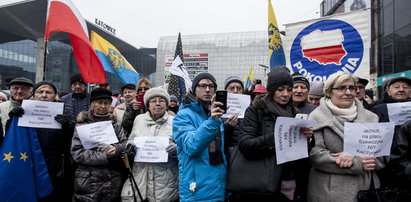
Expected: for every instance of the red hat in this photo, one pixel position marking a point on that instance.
(260, 89)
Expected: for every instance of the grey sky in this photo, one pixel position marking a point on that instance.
(142, 22)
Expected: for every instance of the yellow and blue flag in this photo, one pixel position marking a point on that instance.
(275, 46)
(23, 170)
(248, 78)
(113, 61)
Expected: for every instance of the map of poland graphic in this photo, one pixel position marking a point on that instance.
(324, 47)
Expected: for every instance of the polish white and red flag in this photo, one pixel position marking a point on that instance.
(63, 16)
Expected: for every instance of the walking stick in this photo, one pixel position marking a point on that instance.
(131, 177)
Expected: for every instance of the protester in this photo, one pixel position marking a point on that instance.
(256, 140)
(78, 100)
(361, 83)
(335, 176)
(316, 93)
(3, 97)
(173, 106)
(129, 94)
(156, 181)
(259, 90)
(136, 107)
(98, 176)
(199, 132)
(21, 89)
(232, 129)
(300, 92)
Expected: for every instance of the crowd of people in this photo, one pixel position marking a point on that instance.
(202, 145)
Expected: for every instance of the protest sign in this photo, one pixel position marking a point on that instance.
(399, 112)
(91, 135)
(290, 144)
(237, 104)
(151, 149)
(40, 114)
(368, 139)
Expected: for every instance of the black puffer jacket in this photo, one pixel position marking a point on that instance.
(401, 156)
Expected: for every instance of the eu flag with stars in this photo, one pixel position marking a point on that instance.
(23, 171)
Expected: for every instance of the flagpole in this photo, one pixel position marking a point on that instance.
(45, 60)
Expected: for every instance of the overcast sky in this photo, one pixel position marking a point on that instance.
(142, 22)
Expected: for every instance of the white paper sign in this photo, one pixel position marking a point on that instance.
(400, 112)
(368, 139)
(290, 144)
(91, 135)
(237, 104)
(151, 149)
(40, 114)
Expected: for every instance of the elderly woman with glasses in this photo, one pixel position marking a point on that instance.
(156, 181)
(335, 176)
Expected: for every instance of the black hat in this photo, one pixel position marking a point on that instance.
(232, 79)
(22, 80)
(115, 92)
(298, 78)
(100, 93)
(277, 77)
(37, 85)
(362, 81)
(77, 78)
(199, 77)
(128, 86)
(396, 79)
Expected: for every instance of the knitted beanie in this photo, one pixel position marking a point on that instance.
(173, 98)
(100, 93)
(316, 88)
(298, 78)
(199, 77)
(77, 78)
(41, 83)
(277, 77)
(233, 79)
(156, 92)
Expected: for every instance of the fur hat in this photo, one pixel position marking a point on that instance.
(100, 93)
(42, 83)
(77, 78)
(233, 79)
(199, 77)
(277, 77)
(156, 92)
(298, 78)
(316, 88)
(22, 80)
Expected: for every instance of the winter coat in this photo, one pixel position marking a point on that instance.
(329, 182)
(305, 108)
(75, 104)
(129, 115)
(5, 108)
(400, 160)
(118, 112)
(193, 131)
(231, 133)
(156, 181)
(97, 177)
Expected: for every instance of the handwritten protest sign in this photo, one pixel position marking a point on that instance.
(237, 104)
(368, 139)
(400, 112)
(290, 144)
(40, 114)
(151, 149)
(91, 135)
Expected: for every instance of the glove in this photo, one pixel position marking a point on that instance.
(16, 112)
(171, 149)
(102, 147)
(62, 118)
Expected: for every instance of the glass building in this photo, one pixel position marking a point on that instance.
(22, 47)
(223, 55)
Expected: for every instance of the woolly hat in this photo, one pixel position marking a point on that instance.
(156, 92)
(260, 89)
(100, 93)
(77, 78)
(22, 80)
(316, 88)
(298, 78)
(128, 86)
(173, 98)
(233, 79)
(277, 77)
(396, 79)
(3, 95)
(41, 83)
(199, 77)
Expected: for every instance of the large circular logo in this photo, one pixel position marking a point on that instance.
(326, 47)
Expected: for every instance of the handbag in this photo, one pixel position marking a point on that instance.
(386, 194)
(252, 176)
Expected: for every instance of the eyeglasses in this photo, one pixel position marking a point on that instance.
(145, 89)
(204, 86)
(159, 100)
(22, 88)
(232, 88)
(342, 89)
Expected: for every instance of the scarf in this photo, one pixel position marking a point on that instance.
(277, 110)
(342, 114)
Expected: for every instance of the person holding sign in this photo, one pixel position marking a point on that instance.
(157, 181)
(199, 134)
(256, 142)
(335, 176)
(98, 175)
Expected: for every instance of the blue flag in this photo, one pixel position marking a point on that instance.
(275, 51)
(23, 170)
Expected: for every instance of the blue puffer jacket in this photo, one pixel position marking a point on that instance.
(193, 131)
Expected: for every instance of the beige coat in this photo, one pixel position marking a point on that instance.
(5, 108)
(328, 182)
(118, 112)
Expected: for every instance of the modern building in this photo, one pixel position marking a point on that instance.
(22, 47)
(223, 55)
